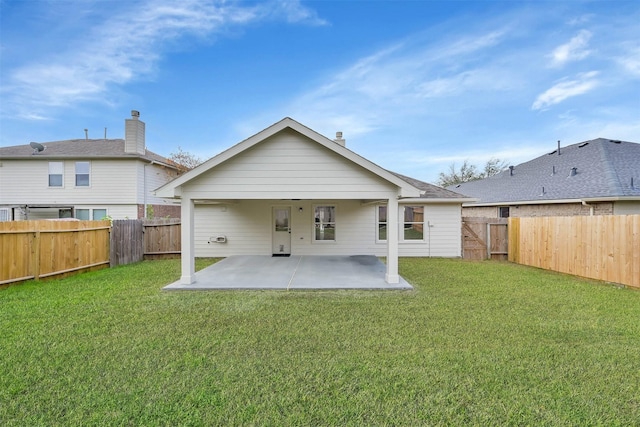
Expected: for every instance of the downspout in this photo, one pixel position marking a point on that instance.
(591, 207)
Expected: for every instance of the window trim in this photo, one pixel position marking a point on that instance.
(88, 174)
(93, 213)
(378, 222)
(404, 223)
(500, 208)
(334, 222)
(49, 175)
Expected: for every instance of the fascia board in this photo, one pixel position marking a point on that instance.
(423, 200)
(168, 190)
(165, 190)
(406, 189)
(553, 202)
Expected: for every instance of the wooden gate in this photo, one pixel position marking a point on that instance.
(484, 238)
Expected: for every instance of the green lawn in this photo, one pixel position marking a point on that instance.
(476, 343)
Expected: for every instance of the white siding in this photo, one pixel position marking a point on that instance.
(289, 166)
(247, 226)
(115, 185)
(27, 182)
(150, 177)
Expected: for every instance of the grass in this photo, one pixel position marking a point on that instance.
(476, 343)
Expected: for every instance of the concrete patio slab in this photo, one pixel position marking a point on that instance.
(293, 273)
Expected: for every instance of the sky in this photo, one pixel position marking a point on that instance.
(415, 86)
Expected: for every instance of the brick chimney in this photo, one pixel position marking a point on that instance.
(134, 134)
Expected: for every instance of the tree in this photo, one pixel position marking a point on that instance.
(468, 172)
(185, 160)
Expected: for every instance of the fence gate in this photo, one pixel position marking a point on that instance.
(484, 238)
(127, 245)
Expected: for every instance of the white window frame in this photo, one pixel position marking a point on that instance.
(404, 223)
(49, 174)
(88, 174)
(500, 208)
(75, 213)
(334, 222)
(93, 213)
(378, 222)
(5, 214)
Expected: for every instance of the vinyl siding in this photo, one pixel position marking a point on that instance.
(150, 177)
(26, 182)
(289, 166)
(117, 185)
(247, 226)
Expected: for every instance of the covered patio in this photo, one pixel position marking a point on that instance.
(293, 273)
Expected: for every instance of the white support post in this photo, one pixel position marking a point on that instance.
(392, 276)
(188, 246)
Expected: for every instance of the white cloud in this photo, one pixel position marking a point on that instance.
(126, 47)
(631, 61)
(584, 83)
(574, 50)
(389, 85)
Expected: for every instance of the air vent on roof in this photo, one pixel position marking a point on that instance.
(543, 192)
(584, 144)
(553, 170)
(511, 170)
(553, 152)
(573, 171)
(615, 141)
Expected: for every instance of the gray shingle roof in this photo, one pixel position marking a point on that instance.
(430, 191)
(604, 168)
(80, 149)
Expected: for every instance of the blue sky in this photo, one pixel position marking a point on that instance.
(413, 85)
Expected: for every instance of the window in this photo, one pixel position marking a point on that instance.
(64, 213)
(325, 223)
(382, 223)
(91, 214)
(503, 212)
(413, 223)
(82, 214)
(56, 172)
(99, 214)
(82, 174)
(5, 214)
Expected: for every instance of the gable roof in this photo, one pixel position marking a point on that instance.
(604, 170)
(81, 149)
(411, 189)
(430, 191)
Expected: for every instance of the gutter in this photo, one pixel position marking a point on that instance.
(557, 201)
(591, 208)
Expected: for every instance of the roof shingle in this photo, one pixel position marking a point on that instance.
(603, 168)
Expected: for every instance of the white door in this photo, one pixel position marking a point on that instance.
(281, 231)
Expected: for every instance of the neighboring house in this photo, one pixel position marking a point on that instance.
(597, 177)
(290, 191)
(85, 178)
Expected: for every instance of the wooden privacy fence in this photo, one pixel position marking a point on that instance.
(604, 247)
(134, 240)
(484, 238)
(39, 249)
